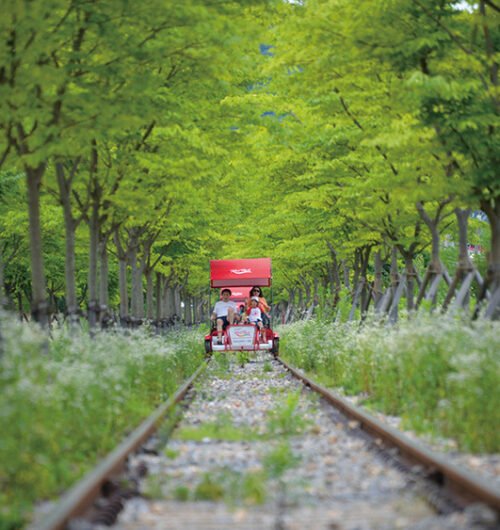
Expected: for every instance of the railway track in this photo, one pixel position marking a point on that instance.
(257, 448)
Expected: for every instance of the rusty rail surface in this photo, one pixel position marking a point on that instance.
(78, 498)
(463, 484)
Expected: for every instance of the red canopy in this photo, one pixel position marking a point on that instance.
(240, 272)
(239, 294)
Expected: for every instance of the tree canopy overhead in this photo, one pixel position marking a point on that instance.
(175, 134)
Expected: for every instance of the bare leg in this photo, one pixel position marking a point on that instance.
(219, 328)
(230, 315)
(262, 332)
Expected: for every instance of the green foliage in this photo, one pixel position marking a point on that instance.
(221, 429)
(285, 419)
(181, 493)
(356, 113)
(440, 375)
(209, 489)
(280, 459)
(72, 405)
(221, 363)
(243, 357)
(234, 488)
(153, 487)
(267, 367)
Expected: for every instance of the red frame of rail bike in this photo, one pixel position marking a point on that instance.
(239, 294)
(240, 275)
(240, 272)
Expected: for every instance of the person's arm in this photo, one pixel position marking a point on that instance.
(265, 305)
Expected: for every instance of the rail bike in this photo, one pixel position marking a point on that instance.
(240, 276)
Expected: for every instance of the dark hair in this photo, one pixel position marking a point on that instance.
(256, 288)
(226, 291)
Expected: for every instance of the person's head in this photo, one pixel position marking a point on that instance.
(254, 301)
(225, 293)
(256, 291)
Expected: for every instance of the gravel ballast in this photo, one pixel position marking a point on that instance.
(255, 449)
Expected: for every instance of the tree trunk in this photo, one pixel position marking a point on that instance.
(334, 277)
(464, 261)
(435, 271)
(93, 304)
(390, 304)
(345, 269)
(95, 193)
(39, 308)
(307, 293)
(177, 303)
(123, 288)
(196, 303)
(198, 309)
(159, 305)
(137, 306)
(300, 301)
(435, 266)
(356, 269)
(149, 295)
(378, 282)
(103, 281)
(290, 306)
(188, 313)
(164, 301)
(122, 279)
(410, 282)
(316, 299)
(70, 271)
(464, 265)
(170, 302)
(65, 186)
(3, 297)
(436, 249)
(365, 294)
(492, 210)
(194, 310)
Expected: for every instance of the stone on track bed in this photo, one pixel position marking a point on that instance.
(255, 450)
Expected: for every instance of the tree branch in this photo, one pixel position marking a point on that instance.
(492, 5)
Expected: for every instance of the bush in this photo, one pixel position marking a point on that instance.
(440, 375)
(67, 401)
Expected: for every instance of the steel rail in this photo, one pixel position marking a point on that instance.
(468, 487)
(78, 498)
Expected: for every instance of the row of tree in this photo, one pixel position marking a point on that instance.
(156, 138)
(381, 133)
(110, 120)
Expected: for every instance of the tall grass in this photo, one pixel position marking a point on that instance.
(442, 376)
(67, 401)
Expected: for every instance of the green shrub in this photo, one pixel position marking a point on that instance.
(441, 375)
(64, 409)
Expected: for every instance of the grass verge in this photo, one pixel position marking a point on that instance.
(441, 375)
(67, 401)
